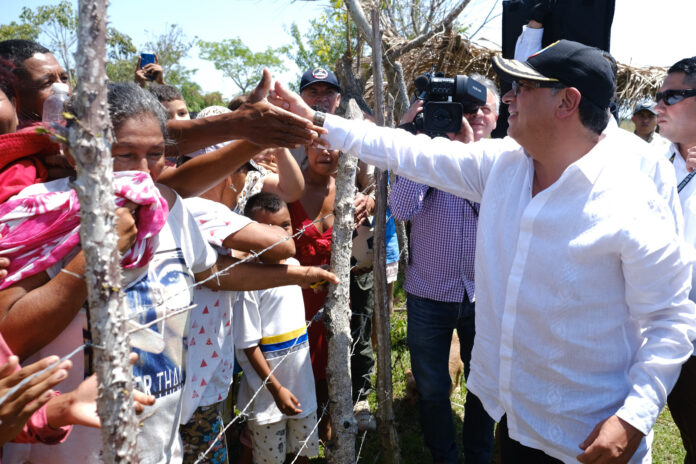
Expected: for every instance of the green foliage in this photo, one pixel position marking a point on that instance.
(325, 41)
(196, 100)
(16, 30)
(239, 63)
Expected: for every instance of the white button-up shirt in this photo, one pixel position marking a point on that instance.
(582, 308)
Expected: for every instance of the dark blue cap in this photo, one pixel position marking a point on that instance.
(312, 76)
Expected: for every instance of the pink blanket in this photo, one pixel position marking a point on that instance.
(38, 230)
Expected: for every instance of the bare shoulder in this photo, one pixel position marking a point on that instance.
(168, 193)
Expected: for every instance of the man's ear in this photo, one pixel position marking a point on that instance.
(569, 102)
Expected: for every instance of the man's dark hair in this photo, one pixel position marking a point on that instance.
(592, 116)
(8, 81)
(17, 51)
(165, 93)
(686, 66)
(263, 202)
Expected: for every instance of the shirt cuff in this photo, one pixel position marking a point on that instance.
(640, 413)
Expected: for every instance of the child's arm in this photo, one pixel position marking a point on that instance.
(284, 399)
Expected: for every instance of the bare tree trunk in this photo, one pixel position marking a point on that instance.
(341, 448)
(90, 143)
(385, 409)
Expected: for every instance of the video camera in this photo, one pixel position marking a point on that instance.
(446, 100)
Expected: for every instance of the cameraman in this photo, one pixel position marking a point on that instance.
(440, 288)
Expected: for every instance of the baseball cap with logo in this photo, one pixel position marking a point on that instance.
(645, 106)
(566, 62)
(312, 76)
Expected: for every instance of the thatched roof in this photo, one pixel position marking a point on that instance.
(453, 54)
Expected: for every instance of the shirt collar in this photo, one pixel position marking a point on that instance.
(592, 163)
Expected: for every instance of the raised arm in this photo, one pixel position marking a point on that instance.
(256, 237)
(256, 121)
(204, 172)
(288, 183)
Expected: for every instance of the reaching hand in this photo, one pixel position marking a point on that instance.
(261, 90)
(611, 441)
(314, 276)
(79, 407)
(287, 402)
(16, 410)
(287, 99)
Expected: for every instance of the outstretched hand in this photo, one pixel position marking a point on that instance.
(287, 99)
(16, 410)
(79, 407)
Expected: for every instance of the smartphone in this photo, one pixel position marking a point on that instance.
(145, 59)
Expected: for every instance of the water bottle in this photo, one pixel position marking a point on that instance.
(53, 106)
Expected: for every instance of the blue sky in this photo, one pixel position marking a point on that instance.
(645, 32)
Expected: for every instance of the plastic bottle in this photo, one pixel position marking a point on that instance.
(53, 106)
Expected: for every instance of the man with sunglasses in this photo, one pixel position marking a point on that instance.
(583, 318)
(676, 109)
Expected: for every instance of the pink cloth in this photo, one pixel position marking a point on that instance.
(37, 429)
(36, 231)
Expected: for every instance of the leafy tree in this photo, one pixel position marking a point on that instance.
(16, 30)
(325, 41)
(239, 63)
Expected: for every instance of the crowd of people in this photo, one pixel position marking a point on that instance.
(562, 256)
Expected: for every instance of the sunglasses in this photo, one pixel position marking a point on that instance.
(672, 96)
(517, 85)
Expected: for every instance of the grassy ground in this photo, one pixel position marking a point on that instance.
(667, 446)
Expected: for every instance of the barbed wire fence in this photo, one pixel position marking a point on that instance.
(122, 449)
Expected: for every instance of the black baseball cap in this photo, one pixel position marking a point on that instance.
(566, 62)
(312, 76)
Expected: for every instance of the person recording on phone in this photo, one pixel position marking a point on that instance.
(440, 293)
(148, 69)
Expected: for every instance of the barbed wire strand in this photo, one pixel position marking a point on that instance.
(311, 432)
(202, 456)
(252, 256)
(25, 381)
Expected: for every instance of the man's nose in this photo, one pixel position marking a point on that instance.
(508, 97)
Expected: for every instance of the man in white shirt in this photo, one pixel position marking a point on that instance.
(645, 120)
(584, 316)
(676, 109)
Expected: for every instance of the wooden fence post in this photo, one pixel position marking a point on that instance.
(385, 406)
(90, 144)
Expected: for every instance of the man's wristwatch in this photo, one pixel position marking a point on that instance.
(319, 118)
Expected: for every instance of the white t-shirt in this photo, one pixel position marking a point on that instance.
(210, 360)
(274, 320)
(160, 371)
